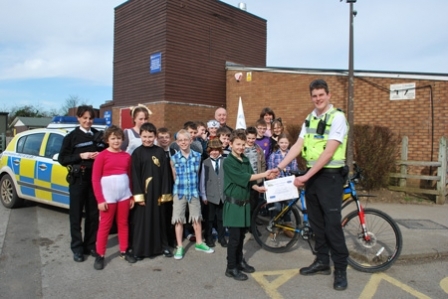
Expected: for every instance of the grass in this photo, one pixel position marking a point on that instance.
(413, 199)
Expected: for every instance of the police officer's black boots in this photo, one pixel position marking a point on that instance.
(340, 279)
(317, 267)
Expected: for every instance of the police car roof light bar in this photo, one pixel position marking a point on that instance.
(74, 120)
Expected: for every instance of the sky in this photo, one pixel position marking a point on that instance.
(53, 50)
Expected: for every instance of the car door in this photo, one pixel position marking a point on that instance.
(24, 162)
(50, 179)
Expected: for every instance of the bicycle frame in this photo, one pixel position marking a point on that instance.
(373, 238)
(350, 189)
(350, 195)
(306, 229)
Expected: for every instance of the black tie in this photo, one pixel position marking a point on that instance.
(217, 166)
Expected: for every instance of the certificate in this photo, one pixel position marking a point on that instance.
(281, 189)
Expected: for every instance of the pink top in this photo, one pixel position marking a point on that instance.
(268, 133)
(107, 164)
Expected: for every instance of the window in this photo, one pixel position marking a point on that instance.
(54, 144)
(30, 144)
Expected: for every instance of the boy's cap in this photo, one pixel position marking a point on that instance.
(212, 124)
(214, 144)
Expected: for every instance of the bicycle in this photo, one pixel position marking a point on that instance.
(373, 238)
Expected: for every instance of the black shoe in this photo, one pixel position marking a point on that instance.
(210, 243)
(245, 267)
(223, 242)
(99, 263)
(78, 257)
(340, 280)
(167, 253)
(317, 267)
(236, 274)
(91, 252)
(128, 257)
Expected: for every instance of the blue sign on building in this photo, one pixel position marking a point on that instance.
(108, 117)
(155, 63)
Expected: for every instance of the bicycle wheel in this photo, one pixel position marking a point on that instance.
(274, 235)
(384, 246)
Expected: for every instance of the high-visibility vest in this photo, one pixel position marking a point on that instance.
(314, 143)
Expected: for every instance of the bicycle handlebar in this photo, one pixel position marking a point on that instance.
(357, 175)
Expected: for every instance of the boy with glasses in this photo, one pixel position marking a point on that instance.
(185, 165)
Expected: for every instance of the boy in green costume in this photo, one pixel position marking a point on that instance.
(239, 179)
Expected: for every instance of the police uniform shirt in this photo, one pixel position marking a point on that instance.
(85, 131)
(338, 128)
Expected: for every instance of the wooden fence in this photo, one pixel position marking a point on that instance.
(440, 178)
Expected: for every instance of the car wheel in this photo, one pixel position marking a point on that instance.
(8, 193)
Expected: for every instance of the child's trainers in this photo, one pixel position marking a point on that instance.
(203, 247)
(99, 262)
(179, 254)
(128, 256)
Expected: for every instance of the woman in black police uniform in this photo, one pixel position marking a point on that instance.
(79, 149)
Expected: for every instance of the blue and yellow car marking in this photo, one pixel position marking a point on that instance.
(24, 172)
(13, 163)
(40, 179)
(51, 183)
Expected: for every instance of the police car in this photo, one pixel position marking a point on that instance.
(29, 167)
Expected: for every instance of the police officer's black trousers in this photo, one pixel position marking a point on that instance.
(323, 200)
(82, 198)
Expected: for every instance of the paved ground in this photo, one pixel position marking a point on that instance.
(424, 228)
(35, 262)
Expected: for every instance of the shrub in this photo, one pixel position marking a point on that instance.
(375, 150)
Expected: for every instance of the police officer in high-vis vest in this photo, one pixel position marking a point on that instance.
(323, 142)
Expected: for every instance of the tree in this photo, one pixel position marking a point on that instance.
(71, 102)
(53, 112)
(26, 111)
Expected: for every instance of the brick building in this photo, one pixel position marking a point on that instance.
(171, 55)
(417, 108)
(22, 123)
(179, 58)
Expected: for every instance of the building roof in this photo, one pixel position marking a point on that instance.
(35, 122)
(343, 72)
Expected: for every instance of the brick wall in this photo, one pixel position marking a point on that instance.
(288, 95)
(195, 38)
(171, 115)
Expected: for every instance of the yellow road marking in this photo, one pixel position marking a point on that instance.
(444, 284)
(372, 286)
(271, 287)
